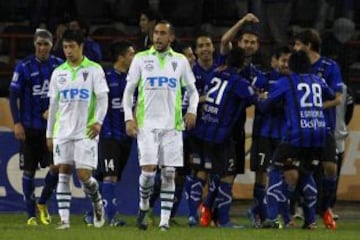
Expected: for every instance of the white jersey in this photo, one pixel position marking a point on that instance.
(75, 90)
(160, 77)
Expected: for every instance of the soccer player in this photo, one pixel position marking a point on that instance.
(250, 42)
(78, 105)
(181, 172)
(227, 95)
(195, 182)
(159, 73)
(29, 104)
(304, 137)
(272, 126)
(115, 145)
(310, 42)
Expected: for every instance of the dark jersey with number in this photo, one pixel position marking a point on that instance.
(303, 96)
(227, 94)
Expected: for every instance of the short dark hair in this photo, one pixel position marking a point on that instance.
(310, 36)
(119, 48)
(236, 57)
(171, 27)
(299, 62)
(202, 34)
(281, 50)
(73, 35)
(250, 28)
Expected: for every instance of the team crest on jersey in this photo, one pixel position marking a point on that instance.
(85, 75)
(62, 80)
(149, 67)
(174, 65)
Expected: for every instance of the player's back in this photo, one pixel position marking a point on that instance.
(303, 95)
(227, 95)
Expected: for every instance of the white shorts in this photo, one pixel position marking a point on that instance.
(160, 147)
(82, 153)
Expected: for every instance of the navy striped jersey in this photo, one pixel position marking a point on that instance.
(30, 83)
(329, 70)
(258, 80)
(227, 94)
(272, 124)
(201, 76)
(303, 97)
(114, 124)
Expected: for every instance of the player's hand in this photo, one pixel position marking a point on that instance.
(49, 144)
(94, 130)
(190, 120)
(250, 17)
(131, 128)
(19, 132)
(45, 114)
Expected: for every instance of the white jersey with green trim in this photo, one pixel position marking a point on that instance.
(75, 90)
(160, 77)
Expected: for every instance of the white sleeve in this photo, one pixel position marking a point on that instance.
(53, 108)
(134, 73)
(193, 98)
(101, 107)
(128, 100)
(99, 81)
(53, 105)
(132, 81)
(53, 87)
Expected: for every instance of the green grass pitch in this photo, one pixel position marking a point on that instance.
(12, 226)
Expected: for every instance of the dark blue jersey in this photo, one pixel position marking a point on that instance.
(114, 124)
(303, 97)
(227, 95)
(329, 70)
(202, 76)
(30, 84)
(272, 124)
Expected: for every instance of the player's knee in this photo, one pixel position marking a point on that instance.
(167, 178)
(330, 169)
(168, 172)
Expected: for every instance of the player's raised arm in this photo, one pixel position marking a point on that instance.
(229, 35)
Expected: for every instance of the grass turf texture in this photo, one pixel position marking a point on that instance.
(12, 226)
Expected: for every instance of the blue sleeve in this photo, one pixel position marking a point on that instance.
(335, 80)
(327, 92)
(15, 112)
(260, 81)
(275, 95)
(245, 91)
(18, 78)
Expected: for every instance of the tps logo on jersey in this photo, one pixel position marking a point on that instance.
(74, 94)
(41, 89)
(162, 82)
